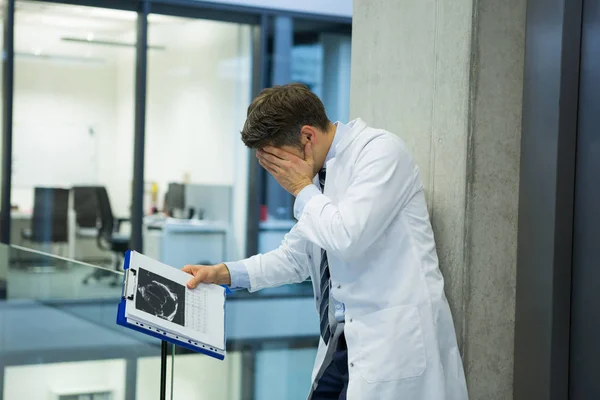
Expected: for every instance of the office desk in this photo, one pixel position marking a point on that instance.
(181, 242)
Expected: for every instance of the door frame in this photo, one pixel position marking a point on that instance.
(546, 199)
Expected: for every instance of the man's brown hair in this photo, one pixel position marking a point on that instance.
(276, 116)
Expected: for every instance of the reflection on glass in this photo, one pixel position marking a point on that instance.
(72, 130)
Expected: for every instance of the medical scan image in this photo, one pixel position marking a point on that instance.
(160, 297)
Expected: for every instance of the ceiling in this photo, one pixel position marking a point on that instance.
(86, 34)
(77, 33)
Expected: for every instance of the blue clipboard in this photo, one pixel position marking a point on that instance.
(157, 333)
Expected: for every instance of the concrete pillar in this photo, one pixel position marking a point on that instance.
(447, 77)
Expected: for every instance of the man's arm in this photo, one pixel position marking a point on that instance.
(286, 264)
(384, 180)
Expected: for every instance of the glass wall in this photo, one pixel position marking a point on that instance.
(196, 170)
(73, 146)
(73, 128)
(2, 17)
(316, 54)
(196, 166)
(58, 337)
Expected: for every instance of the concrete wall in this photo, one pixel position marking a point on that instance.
(447, 78)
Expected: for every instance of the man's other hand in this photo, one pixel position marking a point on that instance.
(217, 274)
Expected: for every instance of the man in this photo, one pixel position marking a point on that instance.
(363, 236)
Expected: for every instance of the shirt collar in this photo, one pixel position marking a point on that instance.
(340, 131)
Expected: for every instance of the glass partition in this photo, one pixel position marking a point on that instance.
(196, 165)
(72, 172)
(58, 337)
(2, 17)
(316, 54)
(72, 130)
(63, 332)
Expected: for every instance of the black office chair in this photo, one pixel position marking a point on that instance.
(108, 235)
(85, 205)
(49, 222)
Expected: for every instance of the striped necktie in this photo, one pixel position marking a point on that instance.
(325, 282)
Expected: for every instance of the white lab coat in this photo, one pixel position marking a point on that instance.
(373, 222)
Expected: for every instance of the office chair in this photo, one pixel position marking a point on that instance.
(108, 236)
(49, 222)
(85, 204)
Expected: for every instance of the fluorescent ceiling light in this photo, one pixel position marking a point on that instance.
(106, 42)
(58, 57)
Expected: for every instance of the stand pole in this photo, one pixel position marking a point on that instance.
(163, 371)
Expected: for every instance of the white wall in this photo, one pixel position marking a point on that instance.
(62, 113)
(66, 108)
(198, 91)
(45, 380)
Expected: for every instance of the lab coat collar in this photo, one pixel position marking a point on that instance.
(354, 128)
(341, 130)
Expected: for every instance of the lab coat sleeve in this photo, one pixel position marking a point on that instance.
(284, 265)
(303, 197)
(384, 178)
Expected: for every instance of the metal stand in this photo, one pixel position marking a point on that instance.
(163, 370)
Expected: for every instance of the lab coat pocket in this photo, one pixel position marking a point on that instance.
(391, 344)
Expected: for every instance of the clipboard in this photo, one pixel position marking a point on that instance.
(128, 298)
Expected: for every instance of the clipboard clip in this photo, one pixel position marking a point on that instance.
(129, 273)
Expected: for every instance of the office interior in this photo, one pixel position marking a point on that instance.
(75, 131)
(74, 71)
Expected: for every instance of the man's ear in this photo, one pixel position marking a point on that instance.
(307, 134)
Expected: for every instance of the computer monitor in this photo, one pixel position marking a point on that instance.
(176, 196)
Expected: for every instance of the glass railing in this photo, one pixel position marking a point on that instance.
(59, 340)
(58, 337)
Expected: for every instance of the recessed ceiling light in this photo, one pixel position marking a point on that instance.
(90, 36)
